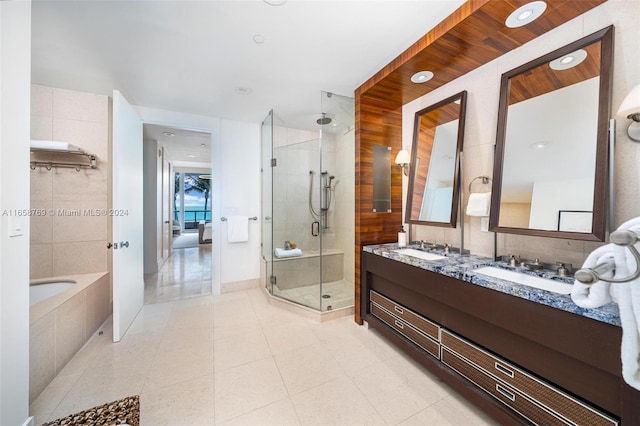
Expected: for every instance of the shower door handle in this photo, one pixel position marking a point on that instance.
(315, 228)
(267, 218)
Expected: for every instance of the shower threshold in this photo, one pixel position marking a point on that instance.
(308, 300)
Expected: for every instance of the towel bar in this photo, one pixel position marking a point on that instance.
(622, 238)
(485, 181)
(224, 219)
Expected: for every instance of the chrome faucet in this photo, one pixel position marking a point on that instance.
(447, 249)
(513, 260)
(563, 269)
(426, 245)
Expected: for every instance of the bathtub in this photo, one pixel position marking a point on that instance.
(64, 313)
(39, 291)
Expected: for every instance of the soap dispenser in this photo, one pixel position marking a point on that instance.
(402, 237)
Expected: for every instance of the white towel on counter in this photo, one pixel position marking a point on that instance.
(597, 294)
(627, 296)
(237, 229)
(282, 253)
(479, 204)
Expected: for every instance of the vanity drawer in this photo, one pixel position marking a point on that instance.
(427, 327)
(407, 330)
(504, 393)
(564, 405)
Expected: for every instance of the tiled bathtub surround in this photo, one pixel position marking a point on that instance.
(462, 268)
(69, 244)
(61, 325)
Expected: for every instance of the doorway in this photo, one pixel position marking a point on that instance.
(178, 201)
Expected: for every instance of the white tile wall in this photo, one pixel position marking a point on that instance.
(69, 244)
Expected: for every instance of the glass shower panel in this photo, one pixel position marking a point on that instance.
(295, 226)
(267, 201)
(337, 134)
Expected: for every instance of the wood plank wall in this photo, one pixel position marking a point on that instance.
(470, 37)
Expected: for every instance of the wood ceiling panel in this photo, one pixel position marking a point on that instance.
(478, 38)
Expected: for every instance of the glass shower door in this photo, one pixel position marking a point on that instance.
(267, 200)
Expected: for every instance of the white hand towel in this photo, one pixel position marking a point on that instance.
(238, 229)
(597, 294)
(479, 204)
(282, 253)
(627, 296)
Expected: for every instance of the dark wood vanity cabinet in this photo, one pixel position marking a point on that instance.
(520, 361)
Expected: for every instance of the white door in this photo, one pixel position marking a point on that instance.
(128, 273)
(167, 220)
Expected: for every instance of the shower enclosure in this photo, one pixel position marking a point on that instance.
(308, 204)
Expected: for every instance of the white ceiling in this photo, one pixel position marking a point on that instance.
(181, 145)
(188, 56)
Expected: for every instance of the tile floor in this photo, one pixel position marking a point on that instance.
(187, 273)
(341, 293)
(234, 359)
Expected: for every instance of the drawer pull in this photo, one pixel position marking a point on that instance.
(398, 309)
(504, 370)
(505, 392)
(399, 325)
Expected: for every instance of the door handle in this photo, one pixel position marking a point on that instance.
(109, 245)
(315, 229)
(166, 221)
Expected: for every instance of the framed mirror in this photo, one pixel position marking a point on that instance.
(433, 192)
(551, 162)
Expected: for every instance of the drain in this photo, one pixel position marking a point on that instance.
(326, 296)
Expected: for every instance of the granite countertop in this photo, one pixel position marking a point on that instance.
(462, 268)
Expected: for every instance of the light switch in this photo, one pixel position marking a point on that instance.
(15, 226)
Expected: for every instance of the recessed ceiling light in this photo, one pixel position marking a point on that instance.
(275, 2)
(258, 39)
(422, 77)
(539, 145)
(526, 14)
(202, 145)
(568, 61)
(243, 90)
(192, 155)
(168, 134)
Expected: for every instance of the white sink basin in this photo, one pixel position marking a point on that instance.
(531, 281)
(420, 254)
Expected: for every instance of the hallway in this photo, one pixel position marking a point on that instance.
(187, 273)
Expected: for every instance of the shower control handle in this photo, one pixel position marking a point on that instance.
(124, 244)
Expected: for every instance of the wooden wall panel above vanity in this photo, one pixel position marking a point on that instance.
(472, 36)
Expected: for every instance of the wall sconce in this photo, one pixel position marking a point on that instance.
(403, 160)
(630, 108)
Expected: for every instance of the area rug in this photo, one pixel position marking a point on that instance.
(185, 241)
(120, 412)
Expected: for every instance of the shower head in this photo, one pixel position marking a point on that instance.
(323, 120)
(332, 177)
